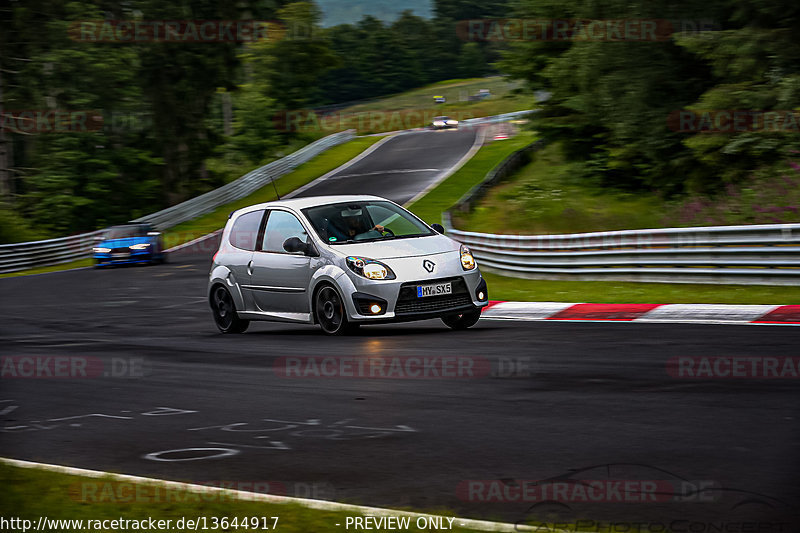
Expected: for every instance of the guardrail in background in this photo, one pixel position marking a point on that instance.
(496, 118)
(749, 254)
(24, 255)
(241, 187)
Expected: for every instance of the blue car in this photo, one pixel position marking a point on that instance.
(129, 244)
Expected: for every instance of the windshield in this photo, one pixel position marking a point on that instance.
(350, 222)
(121, 232)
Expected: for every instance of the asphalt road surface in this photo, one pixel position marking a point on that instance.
(559, 397)
(165, 395)
(401, 167)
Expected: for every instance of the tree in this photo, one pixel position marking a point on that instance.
(289, 69)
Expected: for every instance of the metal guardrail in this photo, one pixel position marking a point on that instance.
(20, 256)
(241, 187)
(505, 117)
(747, 254)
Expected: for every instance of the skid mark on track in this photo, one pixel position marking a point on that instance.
(234, 436)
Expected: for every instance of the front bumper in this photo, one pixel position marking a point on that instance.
(399, 302)
(119, 258)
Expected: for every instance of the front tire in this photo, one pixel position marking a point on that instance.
(462, 321)
(329, 311)
(224, 311)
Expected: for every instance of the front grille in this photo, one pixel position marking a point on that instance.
(120, 250)
(409, 302)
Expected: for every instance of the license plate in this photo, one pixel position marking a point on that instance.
(434, 290)
(120, 256)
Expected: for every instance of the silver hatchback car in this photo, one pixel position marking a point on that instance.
(340, 261)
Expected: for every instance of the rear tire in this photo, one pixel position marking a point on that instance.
(224, 311)
(330, 312)
(462, 321)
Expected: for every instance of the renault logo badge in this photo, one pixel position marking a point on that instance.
(429, 265)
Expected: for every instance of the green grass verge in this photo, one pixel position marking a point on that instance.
(545, 197)
(431, 206)
(79, 263)
(516, 289)
(416, 108)
(29, 494)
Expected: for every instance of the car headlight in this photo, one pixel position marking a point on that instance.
(467, 261)
(438, 123)
(369, 268)
(142, 246)
(101, 250)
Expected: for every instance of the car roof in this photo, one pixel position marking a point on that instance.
(311, 201)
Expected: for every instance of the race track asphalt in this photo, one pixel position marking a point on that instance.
(401, 167)
(559, 397)
(167, 396)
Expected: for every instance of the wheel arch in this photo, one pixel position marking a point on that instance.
(318, 286)
(330, 275)
(223, 276)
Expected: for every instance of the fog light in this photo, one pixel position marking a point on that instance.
(375, 308)
(481, 296)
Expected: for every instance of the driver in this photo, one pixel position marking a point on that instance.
(354, 225)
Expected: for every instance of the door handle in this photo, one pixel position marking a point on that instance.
(250, 268)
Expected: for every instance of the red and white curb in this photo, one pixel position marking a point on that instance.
(683, 313)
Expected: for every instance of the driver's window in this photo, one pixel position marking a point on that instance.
(281, 226)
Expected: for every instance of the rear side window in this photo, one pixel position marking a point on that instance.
(244, 233)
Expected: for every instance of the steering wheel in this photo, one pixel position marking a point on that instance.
(387, 230)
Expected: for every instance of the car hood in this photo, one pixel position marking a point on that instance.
(394, 248)
(123, 242)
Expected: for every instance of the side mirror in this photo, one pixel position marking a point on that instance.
(438, 228)
(294, 245)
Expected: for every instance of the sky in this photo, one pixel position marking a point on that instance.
(351, 11)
